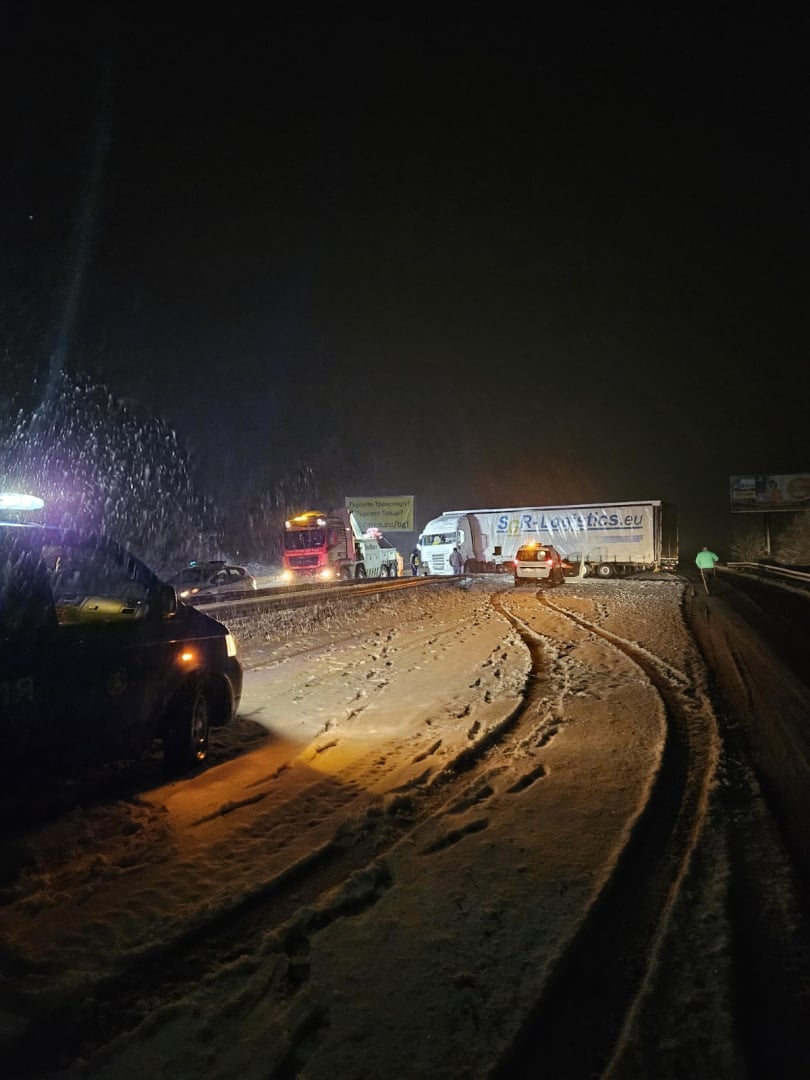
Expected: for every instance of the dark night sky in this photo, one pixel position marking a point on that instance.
(482, 260)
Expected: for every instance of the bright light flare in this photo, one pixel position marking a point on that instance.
(14, 500)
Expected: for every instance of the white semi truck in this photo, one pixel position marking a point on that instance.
(601, 539)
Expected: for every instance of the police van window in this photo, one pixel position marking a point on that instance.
(531, 554)
(83, 572)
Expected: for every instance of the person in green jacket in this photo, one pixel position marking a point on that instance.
(706, 561)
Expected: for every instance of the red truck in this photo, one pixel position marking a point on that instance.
(330, 546)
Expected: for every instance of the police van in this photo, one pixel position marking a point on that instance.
(538, 562)
(98, 658)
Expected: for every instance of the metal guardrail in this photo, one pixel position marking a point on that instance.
(300, 595)
(800, 577)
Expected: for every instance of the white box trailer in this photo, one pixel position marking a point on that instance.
(599, 539)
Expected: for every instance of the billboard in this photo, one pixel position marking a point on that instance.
(763, 494)
(388, 513)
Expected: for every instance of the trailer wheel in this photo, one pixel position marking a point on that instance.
(360, 572)
(605, 570)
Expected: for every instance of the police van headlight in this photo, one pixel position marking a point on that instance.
(17, 500)
(230, 644)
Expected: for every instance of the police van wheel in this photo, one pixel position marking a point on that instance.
(185, 743)
(359, 573)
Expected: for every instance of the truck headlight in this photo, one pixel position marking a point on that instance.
(230, 644)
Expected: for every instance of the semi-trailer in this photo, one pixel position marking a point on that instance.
(597, 539)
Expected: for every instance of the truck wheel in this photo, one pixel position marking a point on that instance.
(360, 572)
(185, 741)
(393, 570)
(605, 570)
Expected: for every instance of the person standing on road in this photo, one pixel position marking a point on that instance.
(415, 562)
(706, 561)
(456, 560)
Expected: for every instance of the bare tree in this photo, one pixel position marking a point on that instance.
(748, 542)
(793, 544)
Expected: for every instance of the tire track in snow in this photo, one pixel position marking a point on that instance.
(615, 949)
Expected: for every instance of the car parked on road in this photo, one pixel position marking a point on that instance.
(538, 562)
(98, 659)
(212, 580)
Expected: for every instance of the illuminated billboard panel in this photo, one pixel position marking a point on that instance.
(388, 513)
(763, 494)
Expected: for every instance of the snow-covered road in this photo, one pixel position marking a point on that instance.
(462, 831)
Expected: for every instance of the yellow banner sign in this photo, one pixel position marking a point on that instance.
(388, 513)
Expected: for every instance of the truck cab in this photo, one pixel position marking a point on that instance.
(442, 534)
(330, 546)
